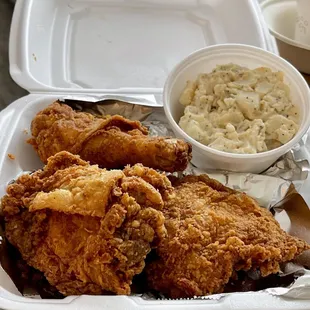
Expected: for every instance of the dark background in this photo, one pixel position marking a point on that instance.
(9, 91)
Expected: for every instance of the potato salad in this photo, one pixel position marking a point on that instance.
(238, 110)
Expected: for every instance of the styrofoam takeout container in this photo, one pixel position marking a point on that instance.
(302, 27)
(204, 61)
(94, 48)
(280, 16)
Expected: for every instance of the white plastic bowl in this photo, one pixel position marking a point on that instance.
(280, 16)
(206, 59)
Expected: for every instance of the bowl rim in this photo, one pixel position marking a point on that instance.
(268, 154)
(278, 35)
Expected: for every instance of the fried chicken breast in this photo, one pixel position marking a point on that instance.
(214, 231)
(87, 229)
(111, 142)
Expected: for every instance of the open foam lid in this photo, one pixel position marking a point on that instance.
(119, 46)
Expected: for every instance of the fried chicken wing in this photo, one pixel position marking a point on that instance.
(212, 232)
(87, 229)
(111, 142)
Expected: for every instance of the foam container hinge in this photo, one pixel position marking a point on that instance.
(119, 47)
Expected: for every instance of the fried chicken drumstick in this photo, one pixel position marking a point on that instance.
(111, 142)
(87, 229)
(214, 231)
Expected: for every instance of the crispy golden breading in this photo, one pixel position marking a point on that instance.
(111, 142)
(87, 229)
(214, 231)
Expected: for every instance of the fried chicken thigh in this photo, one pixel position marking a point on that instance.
(111, 142)
(87, 229)
(214, 231)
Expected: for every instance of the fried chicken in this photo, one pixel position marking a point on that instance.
(213, 232)
(87, 229)
(111, 142)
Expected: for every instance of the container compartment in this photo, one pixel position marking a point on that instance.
(123, 44)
